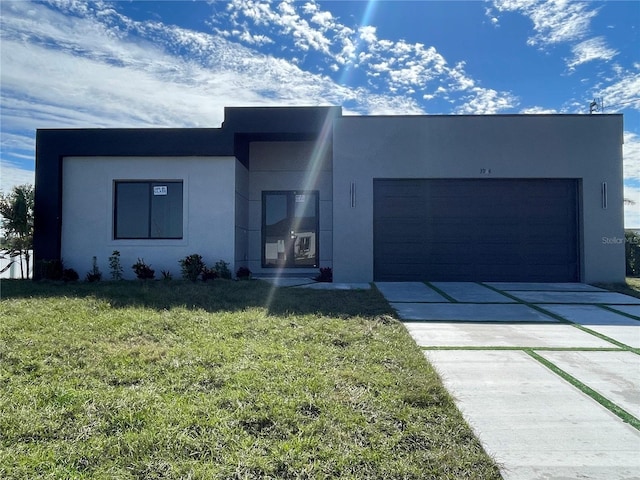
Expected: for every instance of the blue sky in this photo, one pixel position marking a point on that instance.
(179, 63)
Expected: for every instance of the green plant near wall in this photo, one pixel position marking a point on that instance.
(114, 266)
(192, 266)
(243, 273)
(632, 253)
(94, 275)
(222, 268)
(143, 271)
(209, 274)
(69, 275)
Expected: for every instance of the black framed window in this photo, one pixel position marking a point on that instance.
(147, 209)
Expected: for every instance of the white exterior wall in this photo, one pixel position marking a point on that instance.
(209, 212)
(588, 148)
(289, 166)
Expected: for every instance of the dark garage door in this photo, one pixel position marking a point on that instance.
(476, 230)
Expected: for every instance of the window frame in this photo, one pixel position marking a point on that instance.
(150, 185)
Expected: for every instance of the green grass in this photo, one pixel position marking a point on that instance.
(630, 287)
(224, 380)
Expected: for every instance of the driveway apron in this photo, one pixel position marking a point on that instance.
(546, 374)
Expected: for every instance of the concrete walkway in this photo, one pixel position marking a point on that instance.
(542, 372)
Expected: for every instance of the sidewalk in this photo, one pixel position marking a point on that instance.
(547, 375)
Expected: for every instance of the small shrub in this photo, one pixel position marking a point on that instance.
(192, 266)
(326, 275)
(166, 275)
(94, 275)
(243, 273)
(209, 274)
(222, 268)
(143, 271)
(115, 266)
(69, 275)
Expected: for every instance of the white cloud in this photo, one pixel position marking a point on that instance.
(462, 81)
(368, 34)
(631, 172)
(324, 19)
(589, 50)
(399, 67)
(74, 92)
(11, 176)
(554, 21)
(538, 111)
(287, 21)
(561, 21)
(632, 212)
(14, 142)
(486, 101)
(631, 155)
(251, 39)
(623, 93)
(129, 82)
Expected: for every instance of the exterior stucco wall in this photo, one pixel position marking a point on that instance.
(588, 148)
(296, 165)
(209, 211)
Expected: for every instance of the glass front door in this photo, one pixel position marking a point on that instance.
(290, 229)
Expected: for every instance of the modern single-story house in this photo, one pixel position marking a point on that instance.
(288, 190)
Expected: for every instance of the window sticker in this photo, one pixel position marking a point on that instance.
(160, 190)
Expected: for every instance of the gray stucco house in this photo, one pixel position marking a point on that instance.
(288, 190)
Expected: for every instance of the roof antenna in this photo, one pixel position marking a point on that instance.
(597, 105)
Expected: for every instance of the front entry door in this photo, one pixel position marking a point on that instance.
(290, 229)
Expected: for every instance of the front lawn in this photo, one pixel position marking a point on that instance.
(224, 380)
(630, 287)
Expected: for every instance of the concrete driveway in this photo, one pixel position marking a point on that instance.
(547, 375)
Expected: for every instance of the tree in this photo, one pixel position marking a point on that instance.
(16, 209)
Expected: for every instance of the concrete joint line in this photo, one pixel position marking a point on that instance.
(441, 292)
(580, 327)
(619, 312)
(506, 294)
(606, 339)
(606, 403)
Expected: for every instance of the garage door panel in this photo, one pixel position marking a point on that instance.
(505, 233)
(536, 259)
(405, 256)
(391, 205)
(479, 230)
(541, 272)
(400, 234)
